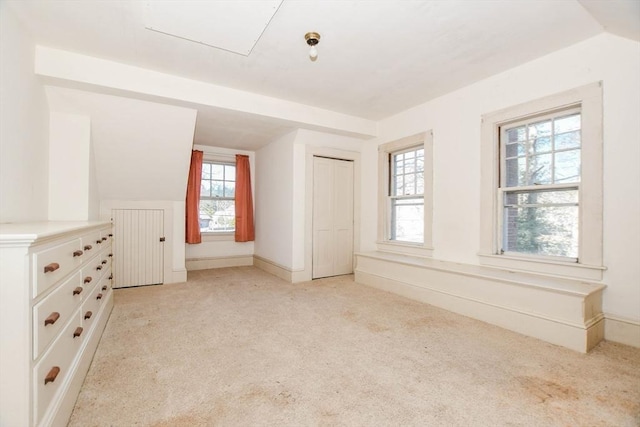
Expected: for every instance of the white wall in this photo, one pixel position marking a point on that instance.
(219, 247)
(69, 167)
(455, 120)
(24, 117)
(274, 201)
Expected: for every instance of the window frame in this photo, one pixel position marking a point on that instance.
(385, 151)
(226, 233)
(588, 265)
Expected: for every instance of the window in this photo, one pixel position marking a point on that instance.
(405, 195)
(541, 185)
(217, 197)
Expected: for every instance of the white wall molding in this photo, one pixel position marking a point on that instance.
(76, 69)
(622, 330)
(285, 273)
(559, 311)
(194, 264)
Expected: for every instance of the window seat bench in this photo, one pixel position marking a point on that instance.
(561, 311)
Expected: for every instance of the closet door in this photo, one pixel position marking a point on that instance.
(332, 217)
(138, 248)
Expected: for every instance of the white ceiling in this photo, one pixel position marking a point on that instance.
(376, 58)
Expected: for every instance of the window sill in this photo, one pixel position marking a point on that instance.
(405, 248)
(218, 237)
(543, 266)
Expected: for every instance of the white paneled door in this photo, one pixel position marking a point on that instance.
(332, 217)
(138, 247)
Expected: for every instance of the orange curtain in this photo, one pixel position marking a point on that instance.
(244, 201)
(193, 199)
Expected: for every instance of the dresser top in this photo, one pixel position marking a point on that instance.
(31, 231)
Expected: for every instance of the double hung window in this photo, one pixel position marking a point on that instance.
(217, 197)
(406, 195)
(539, 189)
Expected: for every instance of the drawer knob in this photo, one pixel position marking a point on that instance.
(98, 241)
(53, 318)
(77, 290)
(51, 376)
(110, 255)
(88, 315)
(110, 235)
(99, 296)
(104, 288)
(99, 267)
(77, 332)
(87, 247)
(51, 267)
(104, 239)
(110, 276)
(104, 261)
(88, 279)
(77, 253)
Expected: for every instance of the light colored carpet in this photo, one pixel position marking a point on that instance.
(239, 347)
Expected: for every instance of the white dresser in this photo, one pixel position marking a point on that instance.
(55, 300)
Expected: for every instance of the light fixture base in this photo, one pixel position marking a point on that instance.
(312, 38)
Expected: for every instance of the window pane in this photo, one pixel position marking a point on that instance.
(548, 230)
(568, 140)
(205, 188)
(517, 134)
(409, 184)
(420, 183)
(540, 129)
(548, 197)
(542, 145)
(206, 171)
(217, 188)
(566, 124)
(514, 150)
(516, 171)
(567, 168)
(409, 165)
(539, 170)
(229, 173)
(419, 164)
(217, 171)
(407, 220)
(229, 189)
(217, 215)
(399, 187)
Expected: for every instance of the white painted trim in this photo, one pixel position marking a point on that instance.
(178, 276)
(622, 330)
(285, 273)
(589, 98)
(194, 264)
(560, 311)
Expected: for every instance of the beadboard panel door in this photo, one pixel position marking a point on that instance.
(138, 247)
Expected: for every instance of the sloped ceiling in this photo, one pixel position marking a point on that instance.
(142, 149)
(376, 58)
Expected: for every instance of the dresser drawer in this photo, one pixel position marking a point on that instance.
(52, 264)
(93, 271)
(92, 243)
(51, 373)
(94, 301)
(53, 312)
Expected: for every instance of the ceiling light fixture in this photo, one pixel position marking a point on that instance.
(312, 40)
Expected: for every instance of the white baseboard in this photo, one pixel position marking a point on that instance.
(218, 262)
(285, 273)
(178, 276)
(559, 315)
(622, 330)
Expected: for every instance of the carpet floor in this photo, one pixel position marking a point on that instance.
(240, 347)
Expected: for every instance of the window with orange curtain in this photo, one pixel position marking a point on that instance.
(244, 201)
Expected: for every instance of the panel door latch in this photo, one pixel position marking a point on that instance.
(162, 239)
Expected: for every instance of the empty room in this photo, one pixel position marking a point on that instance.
(319, 213)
